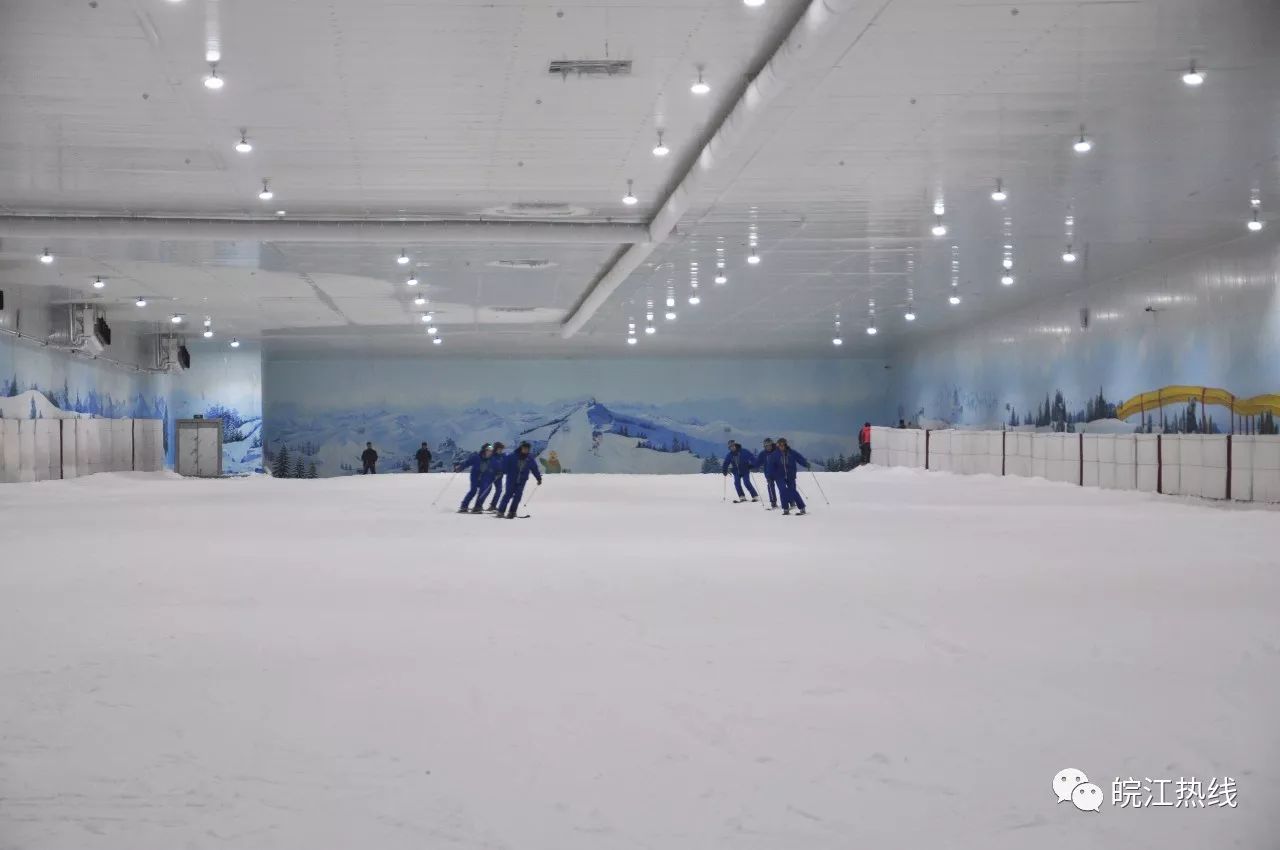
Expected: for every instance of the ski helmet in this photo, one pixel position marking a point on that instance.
(768, 441)
(497, 446)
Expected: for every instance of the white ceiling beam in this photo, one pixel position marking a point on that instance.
(301, 230)
(784, 65)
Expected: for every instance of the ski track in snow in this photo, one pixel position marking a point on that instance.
(266, 664)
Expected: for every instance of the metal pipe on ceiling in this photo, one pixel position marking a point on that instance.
(783, 66)
(295, 230)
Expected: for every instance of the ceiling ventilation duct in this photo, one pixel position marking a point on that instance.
(83, 329)
(171, 354)
(590, 67)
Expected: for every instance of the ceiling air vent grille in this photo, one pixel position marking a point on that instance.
(590, 67)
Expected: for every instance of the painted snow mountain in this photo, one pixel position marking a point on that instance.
(586, 436)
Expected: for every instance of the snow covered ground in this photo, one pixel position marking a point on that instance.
(265, 664)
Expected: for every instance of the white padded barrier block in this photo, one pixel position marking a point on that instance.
(1266, 468)
(1095, 471)
(26, 450)
(940, 451)
(48, 449)
(1242, 468)
(67, 435)
(122, 445)
(87, 446)
(1171, 464)
(106, 441)
(155, 431)
(1213, 465)
(9, 451)
(148, 453)
(1145, 474)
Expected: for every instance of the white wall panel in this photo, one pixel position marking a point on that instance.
(122, 445)
(26, 450)
(1266, 468)
(9, 451)
(67, 436)
(48, 450)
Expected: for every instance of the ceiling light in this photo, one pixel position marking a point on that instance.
(213, 81)
(1255, 223)
(650, 329)
(661, 149)
(954, 300)
(212, 55)
(430, 317)
(629, 199)
(46, 257)
(1007, 262)
(719, 264)
(266, 194)
(98, 283)
(910, 315)
(631, 340)
(1068, 256)
(425, 317)
(671, 315)
(999, 194)
(419, 301)
(437, 340)
(1006, 279)
(835, 340)
(700, 87)
(208, 333)
(243, 145)
(939, 229)
(403, 259)
(176, 319)
(1193, 77)
(671, 301)
(235, 343)
(208, 322)
(753, 258)
(939, 208)
(433, 330)
(695, 300)
(871, 330)
(753, 3)
(721, 279)
(141, 302)
(412, 281)
(280, 212)
(1082, 144)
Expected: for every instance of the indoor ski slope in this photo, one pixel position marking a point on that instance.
(325, 664)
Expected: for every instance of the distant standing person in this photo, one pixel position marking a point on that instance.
(370, 460)
(424, 458)
(864, 442)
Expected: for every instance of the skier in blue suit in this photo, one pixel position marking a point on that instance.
(786, 462)
(500, 459)
(518, 468)
(740, 461)
(483, 469)
(762, 464)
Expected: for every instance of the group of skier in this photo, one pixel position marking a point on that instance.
(491, 468)
(779, 462)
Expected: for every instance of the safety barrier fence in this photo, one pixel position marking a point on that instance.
(49, 449)
(1245, 468)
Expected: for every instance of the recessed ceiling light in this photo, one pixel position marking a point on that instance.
(266, 194)
(98, 283)
(629, 199)
(235, 343)
(46, 257)
(1193, 77)
(176, 319)
(213, 81)
(1068, 256)
(700, 87)
(141, 302)
(403, 259)
(999, 194)
(661, 149)
(243, 145)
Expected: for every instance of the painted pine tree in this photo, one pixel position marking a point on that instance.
(281, 468)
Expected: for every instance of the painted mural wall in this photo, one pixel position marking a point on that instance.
(582, 416)
(1193, 345)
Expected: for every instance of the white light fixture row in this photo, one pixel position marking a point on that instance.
(266, 194)
(999, 195)
(46, 257)
(99, 283)
(1193, 77)
(212, 81)
(661, 149)
(243, 145)
(630, 198)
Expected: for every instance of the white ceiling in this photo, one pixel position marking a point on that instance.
(438, 109)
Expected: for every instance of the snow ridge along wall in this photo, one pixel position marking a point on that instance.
(1244, 468)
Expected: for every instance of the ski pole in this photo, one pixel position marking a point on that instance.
(724, 486)
(529, 501)
(820, 490)
(446, 486)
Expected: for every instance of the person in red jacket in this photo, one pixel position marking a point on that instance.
(864, 442)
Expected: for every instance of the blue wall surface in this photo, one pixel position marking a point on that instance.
(609, 415)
